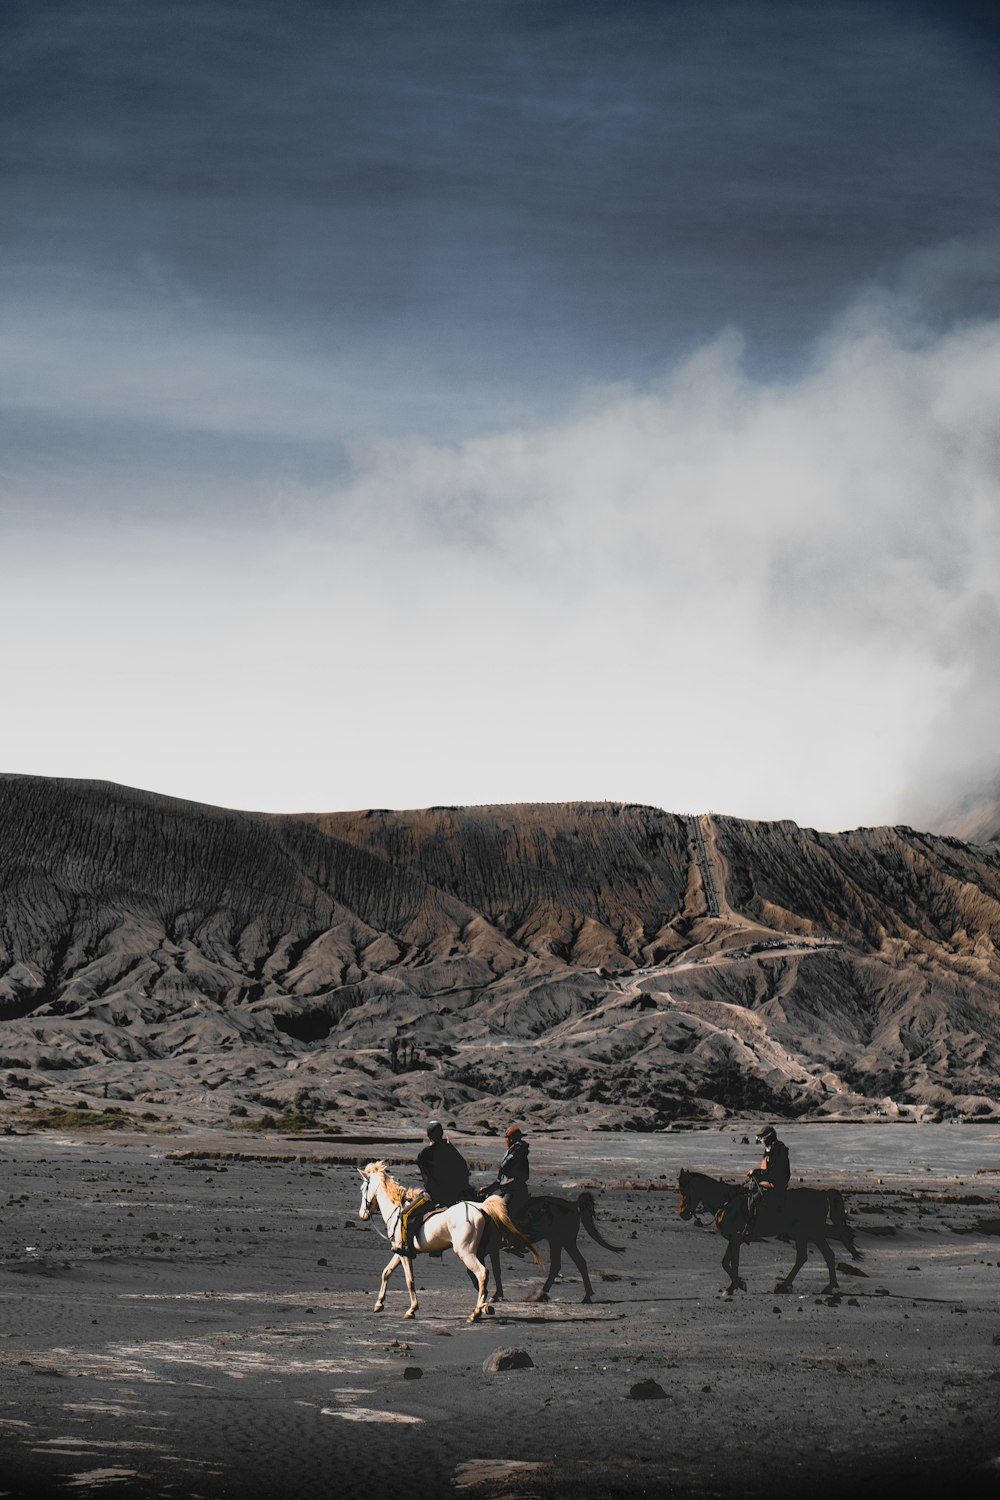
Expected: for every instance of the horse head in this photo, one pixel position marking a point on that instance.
(370, 1178)
(684, 1208)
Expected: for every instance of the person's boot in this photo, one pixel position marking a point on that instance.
(405, 1246)
(515, 1246)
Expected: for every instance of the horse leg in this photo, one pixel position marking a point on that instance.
(480, 1275)
(731, 1265)
(495, 1263)
(831, 1265)
(801, 1251)
(581, 1265)
(475, 1282)
(841, 1228)
(380, 1299)
(555, 1261)
(490, 1246)
(411, 1285)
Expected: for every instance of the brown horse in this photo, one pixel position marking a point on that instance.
(801, 1215)
(558, 1220)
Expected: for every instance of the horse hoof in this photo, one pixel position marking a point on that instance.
(782, 1289)
(588, 1298)
(489, 1311)
(378, 1307)
(411, 1314)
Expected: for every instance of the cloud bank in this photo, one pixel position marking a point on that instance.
(771, 598)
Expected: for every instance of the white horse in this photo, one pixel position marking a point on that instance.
(461, 1227)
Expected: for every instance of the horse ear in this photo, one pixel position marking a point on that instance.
(360, 1172)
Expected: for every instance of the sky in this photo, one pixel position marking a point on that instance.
(503, 401)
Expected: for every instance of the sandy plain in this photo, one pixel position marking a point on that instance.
(182, 1320)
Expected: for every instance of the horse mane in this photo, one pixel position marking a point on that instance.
(397, 1192)
(705, 1177)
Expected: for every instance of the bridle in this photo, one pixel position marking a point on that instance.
(365, 1212)
(690, 1202)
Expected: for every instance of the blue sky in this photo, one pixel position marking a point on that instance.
(499, 401)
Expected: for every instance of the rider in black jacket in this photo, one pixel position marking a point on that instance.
(445, 1176)
(444, 1171)
(771, 1177)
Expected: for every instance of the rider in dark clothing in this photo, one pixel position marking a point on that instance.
(512, 1174)
(775, 1170)
(443, 1169)
(772, 1176)
(445, 1175)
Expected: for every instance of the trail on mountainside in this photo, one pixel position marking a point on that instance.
(705, 868)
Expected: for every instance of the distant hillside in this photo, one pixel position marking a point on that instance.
(587, 963)
(974, 817)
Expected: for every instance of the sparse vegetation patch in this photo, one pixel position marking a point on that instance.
(57, 1118)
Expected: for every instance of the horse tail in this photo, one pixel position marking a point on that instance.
(495, 1208)
(838, 1218)
(585, 1206)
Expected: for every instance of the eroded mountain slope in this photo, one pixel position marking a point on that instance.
(615, 963)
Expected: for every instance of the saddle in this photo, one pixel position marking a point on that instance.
(410, 1220)
(744, 1216)
(532, 1221)
(733, 1218)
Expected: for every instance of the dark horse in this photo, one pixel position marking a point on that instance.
(558, 1220)
(800, 1215)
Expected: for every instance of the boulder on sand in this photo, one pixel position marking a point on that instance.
(647, 1390)
(508, 1359)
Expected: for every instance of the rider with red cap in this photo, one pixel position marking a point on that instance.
(512, 1173)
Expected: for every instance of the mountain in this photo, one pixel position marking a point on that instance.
(593, 964)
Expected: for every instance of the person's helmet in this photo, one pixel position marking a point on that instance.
(513, 1133)
(767, 1135)
(434, 1129)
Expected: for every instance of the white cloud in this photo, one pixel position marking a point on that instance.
(763, 598)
